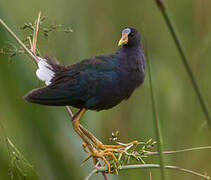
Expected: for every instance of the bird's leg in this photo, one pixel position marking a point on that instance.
(100, 145)
(94, 153)
(76, 124)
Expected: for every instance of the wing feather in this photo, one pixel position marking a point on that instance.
(75, 85)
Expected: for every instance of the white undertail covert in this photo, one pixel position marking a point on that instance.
(45, 71)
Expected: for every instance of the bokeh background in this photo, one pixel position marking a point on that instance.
(45, 135)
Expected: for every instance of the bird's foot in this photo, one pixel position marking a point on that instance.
(108, 157)
(109, 153)
(120, 146)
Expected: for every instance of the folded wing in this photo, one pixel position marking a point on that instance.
(79, 85)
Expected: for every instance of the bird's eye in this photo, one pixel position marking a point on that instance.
(131, 34)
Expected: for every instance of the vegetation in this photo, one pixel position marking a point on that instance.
(52, 147)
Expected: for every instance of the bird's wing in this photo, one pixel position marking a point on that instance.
(76, 84)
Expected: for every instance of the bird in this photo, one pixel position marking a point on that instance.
(97, 83)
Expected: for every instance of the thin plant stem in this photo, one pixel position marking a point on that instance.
(22, 157)
(15, 149)
(5, 137)
(71, 116)
(30, 42)
(181, 151)
(156, 123)
(36, 33)
(150, 175)
(94, 171)
(19, 153)
(147, 166)
(91, 174)
(104, 169)
(180, 49)
(69, 111)
(34, 58)
(144, 166)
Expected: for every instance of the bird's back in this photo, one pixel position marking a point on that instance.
(97, 83)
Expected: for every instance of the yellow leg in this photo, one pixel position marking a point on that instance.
(101, 146)
(106, 150)
(95, 154)
(103, 156)
(76, 124)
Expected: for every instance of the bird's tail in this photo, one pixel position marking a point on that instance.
(46, 96)
(47, 69)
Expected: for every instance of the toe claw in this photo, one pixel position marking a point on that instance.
(108, 154)
(84, 145)
(104, 155)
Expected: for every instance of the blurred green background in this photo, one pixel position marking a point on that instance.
(45, 135)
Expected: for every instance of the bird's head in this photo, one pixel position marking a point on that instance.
(130, 37)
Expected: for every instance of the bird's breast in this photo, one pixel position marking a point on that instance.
(131, 73)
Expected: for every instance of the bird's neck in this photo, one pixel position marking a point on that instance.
(131, 57)
(128, 49)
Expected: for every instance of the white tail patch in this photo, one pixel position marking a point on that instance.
(45, 71)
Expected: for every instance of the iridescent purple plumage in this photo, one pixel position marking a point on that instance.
(97, 83)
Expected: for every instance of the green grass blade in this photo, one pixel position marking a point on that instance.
(180, 49)
(156, 122)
